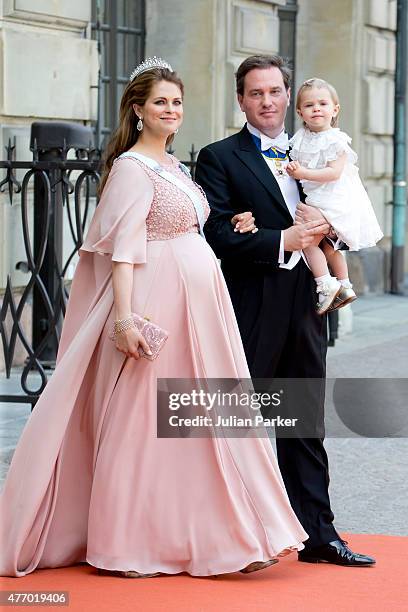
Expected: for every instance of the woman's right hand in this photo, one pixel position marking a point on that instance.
(244, 222)
(129, 341)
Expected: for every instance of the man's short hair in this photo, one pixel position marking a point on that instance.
(262, 61)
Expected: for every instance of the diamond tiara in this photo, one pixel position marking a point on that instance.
(149, 64)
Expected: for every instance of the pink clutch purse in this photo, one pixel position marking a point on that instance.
(154, 335)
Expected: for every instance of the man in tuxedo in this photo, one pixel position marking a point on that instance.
(271, 287)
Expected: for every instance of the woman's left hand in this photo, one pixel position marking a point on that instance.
(244, 222)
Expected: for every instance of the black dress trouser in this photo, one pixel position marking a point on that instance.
(283, 337)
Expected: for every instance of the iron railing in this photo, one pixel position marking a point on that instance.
(70, 184)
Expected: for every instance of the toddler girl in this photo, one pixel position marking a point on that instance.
(325, 165)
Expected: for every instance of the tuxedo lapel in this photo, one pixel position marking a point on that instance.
(251, 157)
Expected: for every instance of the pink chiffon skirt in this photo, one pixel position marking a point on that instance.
(91, 482)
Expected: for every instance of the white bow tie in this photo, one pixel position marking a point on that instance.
(281, 142)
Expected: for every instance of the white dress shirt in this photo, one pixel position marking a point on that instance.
(289, 190)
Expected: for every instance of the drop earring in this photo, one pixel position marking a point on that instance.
(176, 131)
(139, 125)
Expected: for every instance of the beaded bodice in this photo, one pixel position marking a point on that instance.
(171, 213)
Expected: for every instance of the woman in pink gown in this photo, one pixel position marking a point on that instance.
(90, 481)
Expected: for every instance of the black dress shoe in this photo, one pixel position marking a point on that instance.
(336, 552)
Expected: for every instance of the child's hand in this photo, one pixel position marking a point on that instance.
(295, 170)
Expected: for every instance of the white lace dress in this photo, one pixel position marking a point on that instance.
(343, 202)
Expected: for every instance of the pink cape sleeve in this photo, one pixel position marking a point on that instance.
(117, 231)
(118, 227)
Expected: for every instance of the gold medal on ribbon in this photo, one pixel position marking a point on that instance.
(280, 169)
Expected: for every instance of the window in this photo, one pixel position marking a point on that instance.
(119, 28)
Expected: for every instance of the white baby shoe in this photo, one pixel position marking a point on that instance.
(346, 296)
(327, 292)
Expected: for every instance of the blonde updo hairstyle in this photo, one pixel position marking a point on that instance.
(320, 84)
(126, 134)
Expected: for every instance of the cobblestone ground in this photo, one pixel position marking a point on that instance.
(369, 476)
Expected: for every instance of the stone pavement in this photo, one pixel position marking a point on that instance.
(369, 476)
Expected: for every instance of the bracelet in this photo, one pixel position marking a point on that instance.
(122, 325)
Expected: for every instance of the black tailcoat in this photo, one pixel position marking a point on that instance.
(282, 335)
